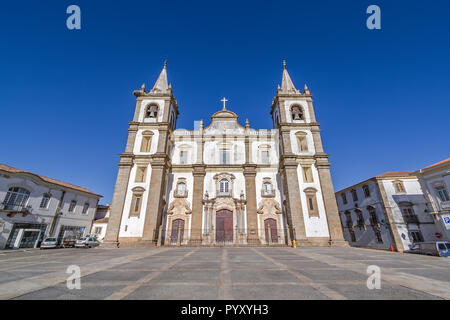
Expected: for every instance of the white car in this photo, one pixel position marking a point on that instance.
(88, 242)
(49, 243)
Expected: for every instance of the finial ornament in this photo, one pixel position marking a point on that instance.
(224, 100)
(165, 64)
(284, 64)
(247, 124)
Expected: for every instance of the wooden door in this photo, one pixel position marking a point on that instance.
(224, 226)
(270, 227)
(177, 231)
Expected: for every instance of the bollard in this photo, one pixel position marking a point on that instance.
(294, 244)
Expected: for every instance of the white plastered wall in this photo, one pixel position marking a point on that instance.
(314, 226)
(135, 225)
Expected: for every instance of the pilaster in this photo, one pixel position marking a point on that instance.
(250, 191)
(293, 202)
(329, 200)
(197, 204)
(155, 201)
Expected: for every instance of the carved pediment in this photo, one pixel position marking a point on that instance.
(224, 175)
(224, 203)
(179, 206)
(269, 206)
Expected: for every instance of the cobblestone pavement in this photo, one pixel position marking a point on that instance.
(222, 273)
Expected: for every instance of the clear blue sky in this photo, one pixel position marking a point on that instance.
(382, 97)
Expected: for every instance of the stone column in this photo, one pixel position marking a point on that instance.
(329, 200)
(250, 191)
(197, 204)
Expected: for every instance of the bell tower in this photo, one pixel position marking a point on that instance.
(138, 199)
(309, 200)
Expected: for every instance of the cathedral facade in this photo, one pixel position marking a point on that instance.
(223, 183)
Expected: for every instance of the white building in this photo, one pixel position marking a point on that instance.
(435, 181)
(389, 209)
(224, 183)
(34, 207)
(100, 223)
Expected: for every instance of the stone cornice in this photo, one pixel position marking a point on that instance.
(289, 125)
(198, 170)
(154, 125)
(250, 169)
(159, 160)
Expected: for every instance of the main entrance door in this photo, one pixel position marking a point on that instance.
(177, 231)
(270, 226)
(224, 226)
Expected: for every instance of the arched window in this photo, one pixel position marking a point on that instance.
(16, 196)
(224, 186)
(297, 112)
(151, 111)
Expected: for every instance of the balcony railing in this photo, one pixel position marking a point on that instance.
(15, 208)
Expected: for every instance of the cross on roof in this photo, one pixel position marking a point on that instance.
(224, 100)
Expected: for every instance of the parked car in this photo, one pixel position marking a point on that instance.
(87, 242)
(49, 243)
(433, 248)
(69, 242)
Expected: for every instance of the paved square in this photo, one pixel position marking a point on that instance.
(222, 273)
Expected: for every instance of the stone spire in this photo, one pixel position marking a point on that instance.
(287, 86)
(162, 85)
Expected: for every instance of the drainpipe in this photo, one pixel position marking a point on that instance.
(57, 211)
